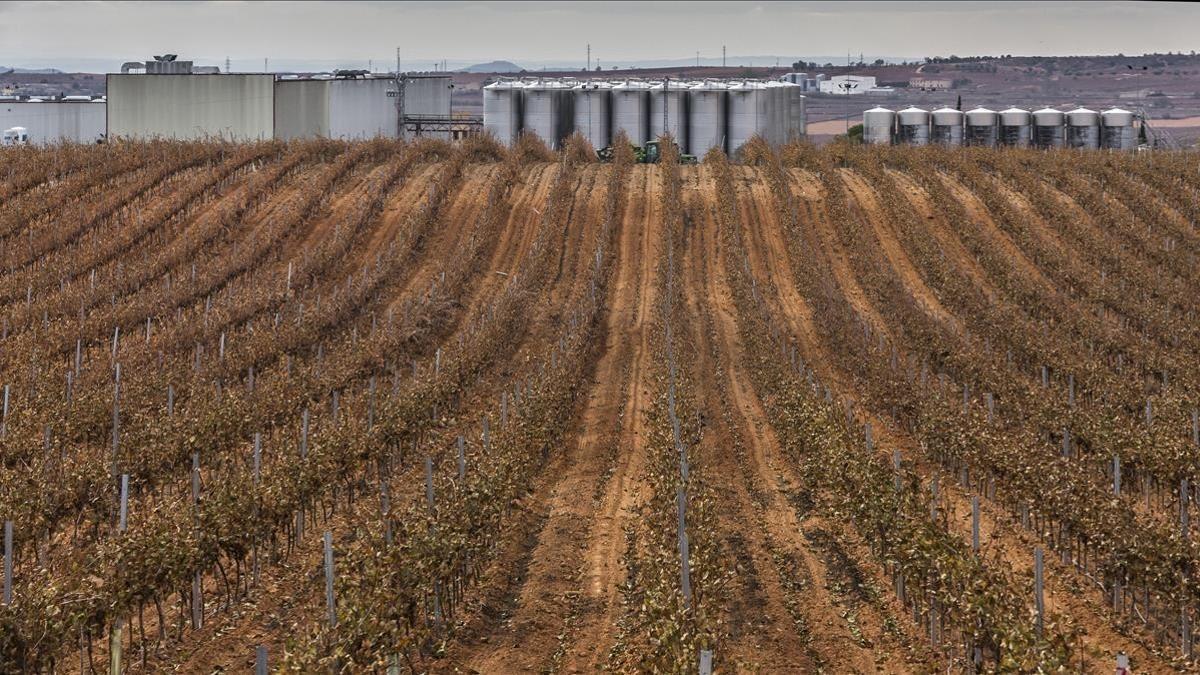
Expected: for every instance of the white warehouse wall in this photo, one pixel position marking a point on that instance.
(57, 122)
(427, 96)
(362, 109)
(341, 109)
(233, 107)
(301, 109)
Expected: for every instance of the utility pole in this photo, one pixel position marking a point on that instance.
(722, 56)
(227, 65)
(401, 85)
(666, 102)
(697, 59)
(266, 66)
(589, 61)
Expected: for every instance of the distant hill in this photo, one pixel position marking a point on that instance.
(492, 67)
(29, 71)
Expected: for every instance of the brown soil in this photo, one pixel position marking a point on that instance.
(803, 590)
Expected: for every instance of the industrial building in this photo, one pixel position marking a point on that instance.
(343, 109)
(806, 83)
(1081, 128)
(852, 85)
(192, 107)
(699, 114)
(69, 120)
(169, 99)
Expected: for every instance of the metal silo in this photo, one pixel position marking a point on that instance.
(947, 127)
(879, 126)
(1015, 127)
(982, 127)
(631, 111)
(502, 111)
(1048, 128)
(674, 95)
(797, 114)
(913, 126)
(708, 115)
(548, 111)
(785, 112)
(1083, 129)
(593, 119)
(747, 112)
(1116, 130)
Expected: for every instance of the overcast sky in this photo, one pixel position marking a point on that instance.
(54, 34)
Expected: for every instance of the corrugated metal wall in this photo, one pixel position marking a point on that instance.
(427, 96)
(362, 109)
(301, 109)
(234, 107)
(71, 122)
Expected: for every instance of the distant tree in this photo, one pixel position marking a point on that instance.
(879, 62)
(958, 106)
(854, 134)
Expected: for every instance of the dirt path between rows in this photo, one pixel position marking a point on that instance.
(949, 244)
(623, 380)
(816, 633)
(808, 187)
(862, 194)
(540, 575)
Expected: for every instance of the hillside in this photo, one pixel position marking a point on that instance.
(495, 402)
(492, 67)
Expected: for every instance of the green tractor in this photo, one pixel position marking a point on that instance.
(647, 154)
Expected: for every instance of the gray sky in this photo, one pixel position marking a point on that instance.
(59, 34)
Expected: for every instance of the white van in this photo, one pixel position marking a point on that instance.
(15, 136)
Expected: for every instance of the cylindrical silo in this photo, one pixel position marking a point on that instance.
(592, 112)
(775, 131)
(502, 110)
(708, 116)
(785, 112)
(797, 119)
(1116, 130)
(631, 111)
(982, 127)
(1048, 128)
(1083, 129)
(672, 94)
(912, 126)
(1015, 127)
(747, 112)
(947, 126)
(879, 126)
(549, 110)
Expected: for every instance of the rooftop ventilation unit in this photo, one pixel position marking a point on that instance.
(168, 65)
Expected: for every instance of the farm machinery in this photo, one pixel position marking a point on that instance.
(650, 153)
